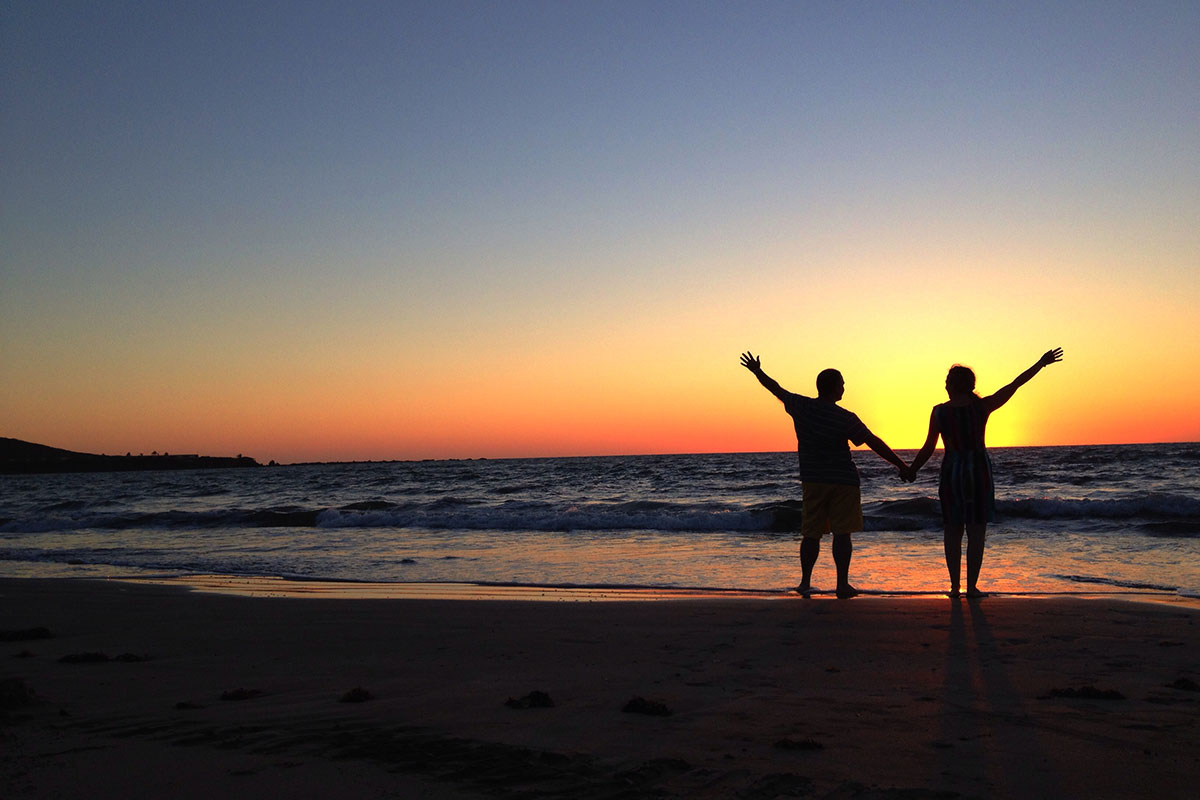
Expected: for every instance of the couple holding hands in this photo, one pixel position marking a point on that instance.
(831, 498)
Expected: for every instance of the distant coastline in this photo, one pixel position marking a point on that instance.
(17, 457)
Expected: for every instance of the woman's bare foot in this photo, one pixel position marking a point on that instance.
(953, 594)
(975, 594)
(846, 592)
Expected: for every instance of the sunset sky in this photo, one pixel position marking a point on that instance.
(374, 230)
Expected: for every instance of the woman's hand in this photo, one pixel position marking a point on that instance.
(1050, 357)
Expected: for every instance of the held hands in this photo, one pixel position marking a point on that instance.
(751, 362)
(908, 474)
(1050, 357)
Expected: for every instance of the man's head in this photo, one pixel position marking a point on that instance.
(830, 385)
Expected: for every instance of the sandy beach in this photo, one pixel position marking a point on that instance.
(115, 689)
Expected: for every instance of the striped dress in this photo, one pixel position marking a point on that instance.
(965, 486)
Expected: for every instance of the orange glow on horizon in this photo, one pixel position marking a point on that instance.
(615, 409)
(635, 388)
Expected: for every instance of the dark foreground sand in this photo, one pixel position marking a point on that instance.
(868, 698)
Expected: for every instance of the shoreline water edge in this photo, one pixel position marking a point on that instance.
(303, 588)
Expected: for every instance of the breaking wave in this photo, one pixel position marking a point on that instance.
(1153, 514)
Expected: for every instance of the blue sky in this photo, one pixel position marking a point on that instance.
(192, 188)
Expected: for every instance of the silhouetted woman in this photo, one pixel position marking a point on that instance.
(965, 486)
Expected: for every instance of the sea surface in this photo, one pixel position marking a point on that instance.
(1108, 519)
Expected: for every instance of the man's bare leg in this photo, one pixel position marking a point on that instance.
(810, 548)
(843, 549)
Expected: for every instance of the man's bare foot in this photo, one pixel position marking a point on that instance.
(953, 594)
(804, 590)
(975, 594)
(846, 592)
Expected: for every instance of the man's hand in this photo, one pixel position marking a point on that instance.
(751, 362)
(1050, 357)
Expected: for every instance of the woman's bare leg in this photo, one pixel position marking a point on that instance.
(976, 535)
(953, 547)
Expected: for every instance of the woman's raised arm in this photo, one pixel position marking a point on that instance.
(992, 402)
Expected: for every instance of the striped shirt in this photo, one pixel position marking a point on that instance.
(822, 431)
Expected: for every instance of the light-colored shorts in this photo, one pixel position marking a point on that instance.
(830, 508)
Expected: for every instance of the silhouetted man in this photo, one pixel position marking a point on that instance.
(832, 502)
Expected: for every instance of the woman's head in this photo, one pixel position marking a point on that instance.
(960, 380)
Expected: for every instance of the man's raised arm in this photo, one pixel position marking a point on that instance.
(752, 363)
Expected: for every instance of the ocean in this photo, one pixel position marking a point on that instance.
(1119, 519)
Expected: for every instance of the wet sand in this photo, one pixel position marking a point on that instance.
(170, 692)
